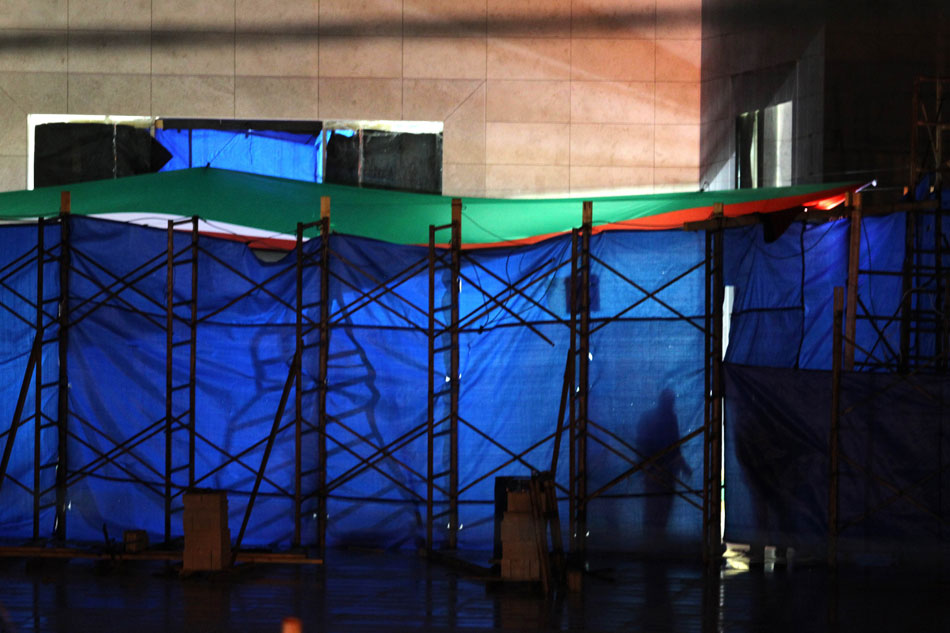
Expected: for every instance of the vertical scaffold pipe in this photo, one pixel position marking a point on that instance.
(572, 391)
(713, 476)
(38, 375)
(454, 373)
(430, 425)
(62, 462)
(323, 375)
(298, 383)
(908, 281)
(169, 373)
(583, 373)
(707, 395)
(193, 352)
(854, 253)
(715, 540)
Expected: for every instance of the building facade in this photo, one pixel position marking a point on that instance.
(536, 97)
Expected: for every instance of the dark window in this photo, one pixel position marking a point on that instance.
(66, 153)
(301, 150)
(388, 160)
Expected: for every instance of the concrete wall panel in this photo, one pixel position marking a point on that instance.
(536, 96)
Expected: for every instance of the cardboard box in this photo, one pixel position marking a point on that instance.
(202, 558)
(518, 526)
(207, 536)
(519, 501)
(519, 549)
(213, 502)
(196, 559)
(205, 516)
(220, 559)
(520, 569)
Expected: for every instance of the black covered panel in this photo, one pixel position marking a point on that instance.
(67, 153)
(893, 444)
(388, 160)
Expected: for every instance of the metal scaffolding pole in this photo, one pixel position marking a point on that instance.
(18, 409)
(322, 378)
(907, 283)
(271, 437)
(38, 380)
(583, 363)
(450, 328)
(430, 420)
(925, 290)
(41, 421)
(712, 461)
(193, 351)
(62, 462)
(298, 388)
(169, 365)
(712, 328)
(455, 280)
(707, 391)
(717, 394)
(564, 404)
(854, 254)
(323, 328)
(171, 418)
(572, 388)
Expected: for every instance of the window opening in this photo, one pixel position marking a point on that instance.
(403, 155)
(764, 147)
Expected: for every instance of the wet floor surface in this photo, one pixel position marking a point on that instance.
(371, 591)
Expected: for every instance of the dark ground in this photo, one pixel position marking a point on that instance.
(374, 591)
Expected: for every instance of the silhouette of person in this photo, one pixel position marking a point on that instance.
(657, 430)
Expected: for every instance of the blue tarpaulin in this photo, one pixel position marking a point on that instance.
(283, 154)
(510, 383)
(18, 292)
(784, 291)
(778, 418)
(647, 357)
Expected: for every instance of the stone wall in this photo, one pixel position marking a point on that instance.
(536, 96)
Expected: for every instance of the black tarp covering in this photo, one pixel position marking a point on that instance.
(894, 489)
(391, 160)
(67, 153)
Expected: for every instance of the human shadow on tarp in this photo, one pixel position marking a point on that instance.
(363, 416)
(657, 433)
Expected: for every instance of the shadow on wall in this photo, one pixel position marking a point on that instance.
(513, 21)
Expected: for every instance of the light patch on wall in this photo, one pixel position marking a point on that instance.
(402, 127)
(777, 149)
(764, 147)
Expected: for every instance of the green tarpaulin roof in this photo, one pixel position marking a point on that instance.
(274, 206)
